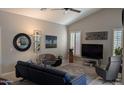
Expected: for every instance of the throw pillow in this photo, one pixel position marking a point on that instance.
(30, 61)
(68, 77)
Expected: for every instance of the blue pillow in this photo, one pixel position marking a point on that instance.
(79, 80)
(68, 77)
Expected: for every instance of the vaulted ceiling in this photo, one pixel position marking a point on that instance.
(53, 15)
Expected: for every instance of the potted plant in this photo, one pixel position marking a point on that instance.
(118, 51)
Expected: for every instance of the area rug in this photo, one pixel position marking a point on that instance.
(76, 69)
(5, 82)
(25, 82)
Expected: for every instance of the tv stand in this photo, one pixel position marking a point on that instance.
(91, 62)
(99, 62)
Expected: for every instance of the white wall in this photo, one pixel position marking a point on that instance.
(13, 24)
(104, 20)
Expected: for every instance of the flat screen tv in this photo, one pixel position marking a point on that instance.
(93, 51)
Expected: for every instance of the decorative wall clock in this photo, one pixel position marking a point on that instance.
(22, 42)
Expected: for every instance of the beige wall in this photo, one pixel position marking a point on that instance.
(12, 24)
(0, 51)
(104, 20)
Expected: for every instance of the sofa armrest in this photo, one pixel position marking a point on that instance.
(79, 80)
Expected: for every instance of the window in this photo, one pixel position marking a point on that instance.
(75, 42)
(72, 40)
(117, 39)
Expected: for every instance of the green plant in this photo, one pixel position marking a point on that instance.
(118, 51)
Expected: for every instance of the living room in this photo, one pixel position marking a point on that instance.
(17, 21)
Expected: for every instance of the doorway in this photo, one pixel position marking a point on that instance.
(75, 43)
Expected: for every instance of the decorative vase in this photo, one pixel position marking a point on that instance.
(71, 58)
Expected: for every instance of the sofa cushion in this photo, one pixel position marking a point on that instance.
(56, 72)
(48, 70)
(23, 63)
(34, 66)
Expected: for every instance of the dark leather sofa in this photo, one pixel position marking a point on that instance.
(46, 76)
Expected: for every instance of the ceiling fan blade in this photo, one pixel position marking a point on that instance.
(42, 9)
(71, 9)
(65, 9)
(57, 9)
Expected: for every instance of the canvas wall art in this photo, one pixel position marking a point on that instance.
(97, 35)
(51, 41)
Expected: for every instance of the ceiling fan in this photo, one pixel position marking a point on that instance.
(65, 9)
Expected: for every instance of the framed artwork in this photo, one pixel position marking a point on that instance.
(97, 35)
(51, 41)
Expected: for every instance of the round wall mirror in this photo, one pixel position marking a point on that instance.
(22, 42)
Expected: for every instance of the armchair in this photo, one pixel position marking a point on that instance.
(50, 59)
(112, 69)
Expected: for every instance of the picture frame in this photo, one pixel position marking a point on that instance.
(22, 42)
(50, 41)
(102, 35)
